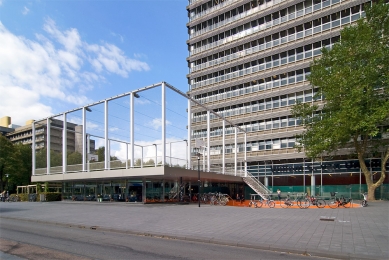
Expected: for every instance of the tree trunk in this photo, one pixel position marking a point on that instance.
(371, 186)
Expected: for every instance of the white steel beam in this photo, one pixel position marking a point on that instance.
(83, 139)
(106, 154)
(33, 148)
(64, 145)
(236, 150)
(48, 144)
(189, 147)
(223, 147)
(208, 141)
(163, 101)
(132, 129)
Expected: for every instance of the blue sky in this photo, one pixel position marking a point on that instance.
(60, 55)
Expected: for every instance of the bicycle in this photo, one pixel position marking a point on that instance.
(253, 202)
(303, 202)
(269, 202)
(287, 202)
(364, 201)
(337, 202)
(13, 198)
(320, 203)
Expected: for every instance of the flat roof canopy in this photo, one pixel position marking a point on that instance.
(155, 173)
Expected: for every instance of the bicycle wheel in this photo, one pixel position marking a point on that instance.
(347, 203)
(271, 203)
(251, 203)
(333, 204)
(320, 203)
(259, 204)
(303, 203)
(284, 204)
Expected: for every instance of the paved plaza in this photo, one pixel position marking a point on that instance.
(343, 233)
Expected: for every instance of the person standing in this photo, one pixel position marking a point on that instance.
(279, 194)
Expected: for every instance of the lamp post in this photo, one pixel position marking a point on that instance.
(198, 171)
(6, 182)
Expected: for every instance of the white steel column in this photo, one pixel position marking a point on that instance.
(163, 101)
(64, 145)
(48, 145)
(33, 148)
(208, 141)
(83, 139)
(223, 147)
(313, 185)
(189, 157)
(245, 154)
(141, 162)
(106, 154)
(132, 129)
(126, 155)
(87, 151)
(236, 150)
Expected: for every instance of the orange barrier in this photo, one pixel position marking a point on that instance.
(236, 203)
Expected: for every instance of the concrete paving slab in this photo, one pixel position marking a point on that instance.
(357, 232)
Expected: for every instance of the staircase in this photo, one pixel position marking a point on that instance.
(257, 186)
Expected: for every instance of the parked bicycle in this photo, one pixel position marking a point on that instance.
(268, 201)
(301, 201)
(337, 202)
(287, 202)
(364, 201)
(320, 203)
(13, 198)
(253, 201)
(219, 199)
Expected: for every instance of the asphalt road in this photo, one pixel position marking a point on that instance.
(29, 240)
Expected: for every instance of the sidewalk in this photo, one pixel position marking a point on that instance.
(353, 233)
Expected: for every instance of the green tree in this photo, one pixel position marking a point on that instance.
(74, 158)
(354, 79)
(41, 158)
(138, 162)
(101, 154)
(24, 156)
(15, 164)
(8, 161)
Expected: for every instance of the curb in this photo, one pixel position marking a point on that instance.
(273, 248)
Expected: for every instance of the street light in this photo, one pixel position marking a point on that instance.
(198, 170)
(6, 182)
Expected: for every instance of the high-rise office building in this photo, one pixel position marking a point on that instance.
(249, 61)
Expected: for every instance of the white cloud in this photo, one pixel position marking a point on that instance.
(22, 104)
(156, 123)
(56, 66)
(113, 129)
(140, 101)
(178, 152)
(121, 38)
(111, 58)
(24, 11)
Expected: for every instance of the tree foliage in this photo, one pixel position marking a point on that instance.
(15, 164)
(353, 77)
(101, 154)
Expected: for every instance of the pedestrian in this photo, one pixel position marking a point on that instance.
(1, 197)
(279, 194)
